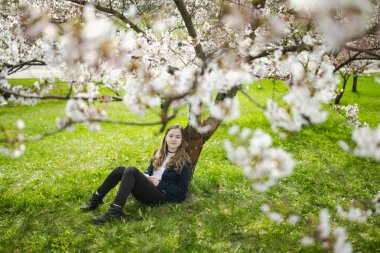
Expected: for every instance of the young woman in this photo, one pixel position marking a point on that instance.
(166, 179)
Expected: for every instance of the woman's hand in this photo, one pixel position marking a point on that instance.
(154, 180)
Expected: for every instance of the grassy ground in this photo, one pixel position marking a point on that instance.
(40, 193)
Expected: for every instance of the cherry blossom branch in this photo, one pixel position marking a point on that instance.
(70, 123)
(101, 98)
(112, 12)
(251, 99)
(14, 68)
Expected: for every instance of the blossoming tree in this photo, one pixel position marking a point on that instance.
(194, 54)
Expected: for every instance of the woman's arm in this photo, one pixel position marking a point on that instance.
(149, 170)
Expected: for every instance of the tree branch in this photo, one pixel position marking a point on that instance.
(346, 62)
(292, 48)
(112, 12)
(14, 68)
(367, 51)
(213, 122)
(71, 123)
(190, 28)
(251, 99)
(101, 98)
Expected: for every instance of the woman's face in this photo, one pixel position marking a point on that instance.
(173, 139)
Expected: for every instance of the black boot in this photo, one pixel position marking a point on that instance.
(93, 203)
(114, 212)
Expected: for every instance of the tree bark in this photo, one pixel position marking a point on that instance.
(355, 83)
(340, 94)
(196, 140)
(186, 17)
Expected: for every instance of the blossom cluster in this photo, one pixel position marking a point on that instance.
(78, 111)
(367, 142)
(255, 154)
(15, 47)
(308, 92)
(351, 114)
(337, 239)
(354, 214)
(25, 95)
(330, 18)
(292, 219)
(14, 147)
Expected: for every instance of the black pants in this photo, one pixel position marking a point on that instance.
(132, 181)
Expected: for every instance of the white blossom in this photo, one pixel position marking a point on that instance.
(341, 245)
(367, 142)
(275, 216)
(233, 130)
(324, 226)
(79, 111)
(354, 214)
(351, 114)
(344, 145)
(20, 124)
(307, 240)
(265, 208)
(259, 159)
(293, 219)
(131, 12)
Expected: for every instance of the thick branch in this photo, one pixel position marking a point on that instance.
(346, 62)
(14, 68)
(190, 27)
(110, 11)
(213, 122)
(366, 51)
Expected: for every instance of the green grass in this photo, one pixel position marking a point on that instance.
(40, 193)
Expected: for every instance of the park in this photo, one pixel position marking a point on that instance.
(279, 101)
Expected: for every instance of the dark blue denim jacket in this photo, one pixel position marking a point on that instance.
(173, 184)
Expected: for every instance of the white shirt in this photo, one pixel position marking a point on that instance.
(160, 170)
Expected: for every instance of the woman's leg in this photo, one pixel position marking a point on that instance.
(135, 182)
(111, 181)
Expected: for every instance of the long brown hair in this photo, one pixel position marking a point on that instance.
(180, 156)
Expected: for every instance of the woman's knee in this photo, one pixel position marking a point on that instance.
(130, 170)
(119, 171)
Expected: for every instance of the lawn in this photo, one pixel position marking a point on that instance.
(41, 192)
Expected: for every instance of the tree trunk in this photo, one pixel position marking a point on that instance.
(340, 94)
(195, 140)
(195, 144)
(355, 83)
